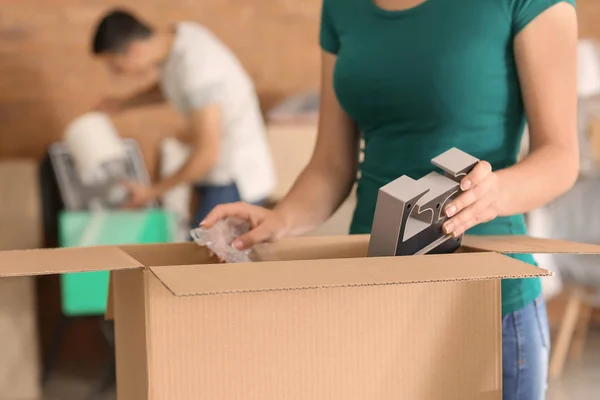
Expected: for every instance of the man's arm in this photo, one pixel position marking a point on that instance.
(149, 96)
(205, 127)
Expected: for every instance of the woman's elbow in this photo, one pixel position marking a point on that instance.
(569, 169)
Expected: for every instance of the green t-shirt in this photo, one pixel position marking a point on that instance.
(420, 81)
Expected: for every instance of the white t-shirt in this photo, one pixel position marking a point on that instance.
(200, 71)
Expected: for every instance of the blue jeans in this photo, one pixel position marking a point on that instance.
(211, 196)
(525, 352)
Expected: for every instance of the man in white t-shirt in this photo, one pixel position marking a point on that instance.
(230, 159)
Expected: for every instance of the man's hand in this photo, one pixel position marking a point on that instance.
(110, 105)
(205, 140)
(139, 194)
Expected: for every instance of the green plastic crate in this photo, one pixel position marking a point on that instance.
(85, 293)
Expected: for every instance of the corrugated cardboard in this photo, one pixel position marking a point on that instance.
(19, 363)
(20, 207)
(20, 228)
(319, 321)
(594, 139)
(292, 144)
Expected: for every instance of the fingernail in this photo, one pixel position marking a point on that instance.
(466, 184)
(203, 223)
(448, 228)
(450, 210)
(237, 244)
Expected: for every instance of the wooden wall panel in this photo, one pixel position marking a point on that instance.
(589, 18)
(47, 76)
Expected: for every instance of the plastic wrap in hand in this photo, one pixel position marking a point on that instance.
(219, 237)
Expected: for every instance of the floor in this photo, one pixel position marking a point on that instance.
(71, 387)
(579, 381)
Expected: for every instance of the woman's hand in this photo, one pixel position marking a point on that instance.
(266, 225)
(479, 202)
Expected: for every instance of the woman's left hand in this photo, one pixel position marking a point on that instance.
(478, 203)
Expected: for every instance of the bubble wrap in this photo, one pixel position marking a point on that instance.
(218, 239)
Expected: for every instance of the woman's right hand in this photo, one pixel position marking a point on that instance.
(266, 225)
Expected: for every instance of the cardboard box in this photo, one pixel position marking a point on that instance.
(20, 205)
(323, 323)
(20, 228)
(292, 145)
(19, 363)
(594, 139)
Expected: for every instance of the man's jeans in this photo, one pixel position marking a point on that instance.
(525, 352)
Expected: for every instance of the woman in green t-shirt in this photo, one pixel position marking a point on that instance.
(417, 77)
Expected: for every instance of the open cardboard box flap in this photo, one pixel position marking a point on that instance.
(308, 262)
(187, 269)
(527, 245)
(64, 260)
(341, 261)
(268, 276)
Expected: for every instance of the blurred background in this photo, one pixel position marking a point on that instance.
(53, 341)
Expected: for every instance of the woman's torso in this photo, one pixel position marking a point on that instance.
(423, 80)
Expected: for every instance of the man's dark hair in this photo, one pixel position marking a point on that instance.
(116, 30)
